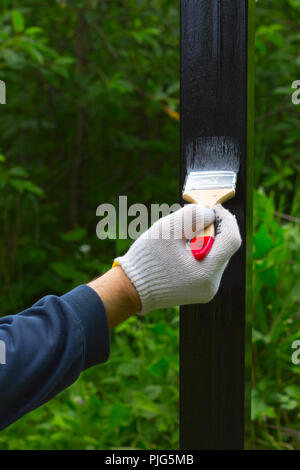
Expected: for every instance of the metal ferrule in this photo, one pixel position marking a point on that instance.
(210, 180)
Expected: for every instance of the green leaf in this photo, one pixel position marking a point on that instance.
(35, 54)
(146, 407)
(159, 368)
(174, 88)
(33, 30)
(18, 21)
(286, 402)
(260, 409)
(119, 415)
(11, 58)
(293, 391)
(17, 184)
(262, 242)
(295, 294)
(128, 369)
(64, 61)
(75, 235)
(33, 188)
(67, 272)
(18, 172)
(258, 336)
(25, 185)
(153, 391)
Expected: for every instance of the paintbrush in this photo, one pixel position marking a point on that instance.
(212, 167)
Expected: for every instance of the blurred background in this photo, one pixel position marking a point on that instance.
(93, 113)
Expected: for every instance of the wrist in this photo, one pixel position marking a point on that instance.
(118, 295)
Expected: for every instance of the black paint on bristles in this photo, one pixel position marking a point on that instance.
(213, 154)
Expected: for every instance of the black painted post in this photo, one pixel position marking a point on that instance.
(217, 100)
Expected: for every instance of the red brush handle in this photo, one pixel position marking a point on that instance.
(201, 246)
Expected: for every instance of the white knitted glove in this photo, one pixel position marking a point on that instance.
(165, 272)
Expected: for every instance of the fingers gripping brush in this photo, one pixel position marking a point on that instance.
(212, 167)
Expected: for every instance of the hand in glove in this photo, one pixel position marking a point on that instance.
(165, 272)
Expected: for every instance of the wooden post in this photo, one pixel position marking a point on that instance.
(217, 100)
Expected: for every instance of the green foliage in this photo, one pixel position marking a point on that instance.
(276, 314)
(130, 402)
(276, 318)
(92, 113)
(277, 165)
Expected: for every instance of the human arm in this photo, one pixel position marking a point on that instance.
(50, 344)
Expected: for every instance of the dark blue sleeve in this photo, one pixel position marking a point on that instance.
(44, 349)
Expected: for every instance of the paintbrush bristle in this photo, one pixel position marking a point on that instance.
(213, 154)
